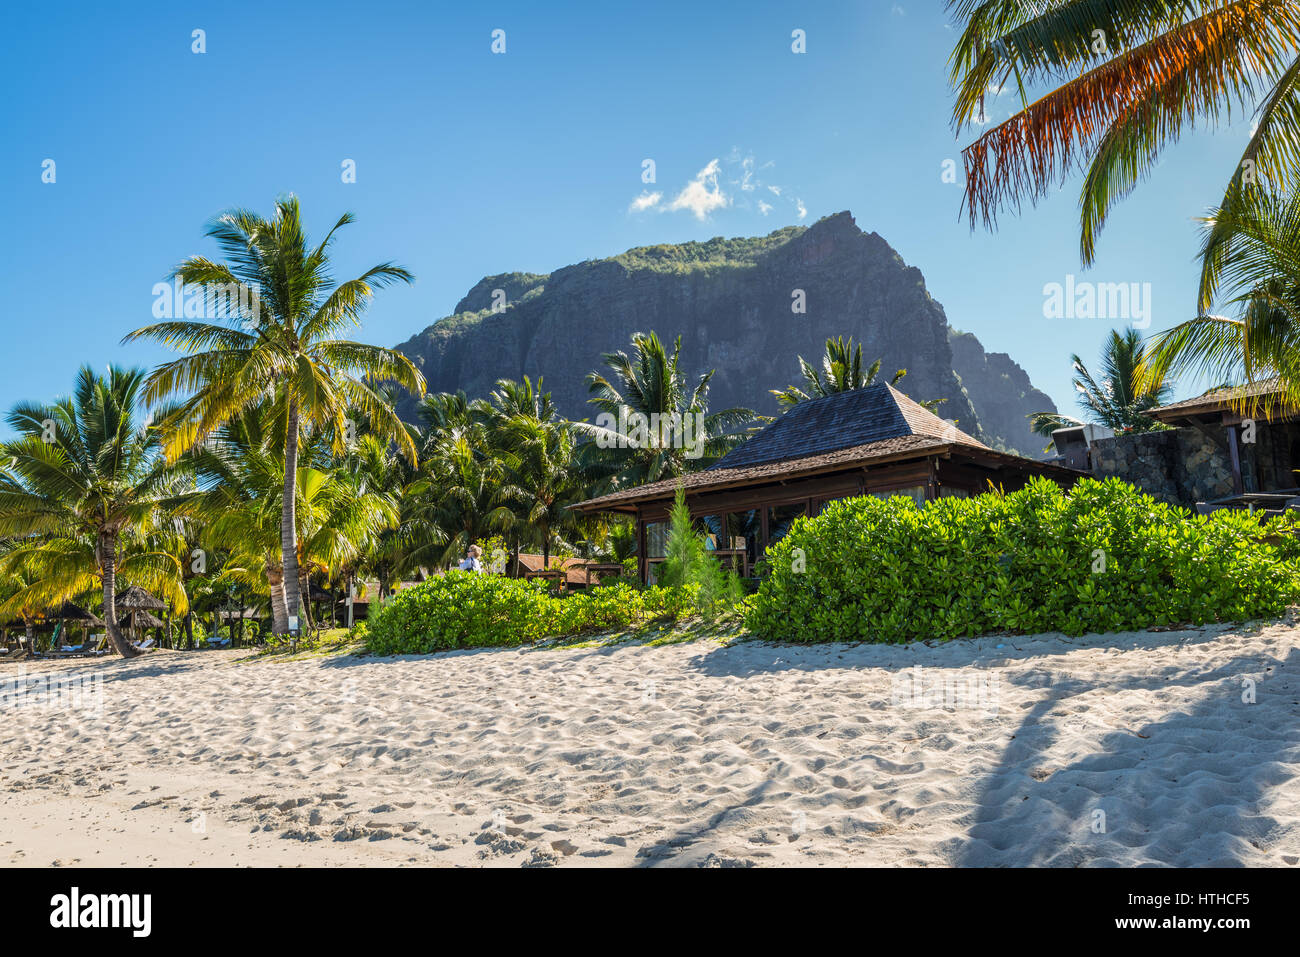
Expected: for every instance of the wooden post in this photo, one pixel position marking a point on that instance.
(932, 486)
(1237, 487)
(643, 567)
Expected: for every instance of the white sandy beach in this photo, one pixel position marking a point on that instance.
(1107, 750)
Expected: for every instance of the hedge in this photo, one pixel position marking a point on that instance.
(1102, 557)
(470, 610)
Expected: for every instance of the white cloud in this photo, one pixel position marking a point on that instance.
(743, 176)
(645, 201)
(702, 195)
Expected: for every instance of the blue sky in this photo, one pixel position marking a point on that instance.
(470, 163)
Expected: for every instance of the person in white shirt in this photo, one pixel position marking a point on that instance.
(471, 563)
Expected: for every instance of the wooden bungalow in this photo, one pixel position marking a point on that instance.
(1261, 437)
(872, 441)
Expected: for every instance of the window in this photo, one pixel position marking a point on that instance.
(779, 520)
(916, 493)
(656, 539)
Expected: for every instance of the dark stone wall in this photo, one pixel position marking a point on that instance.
(1179, 466)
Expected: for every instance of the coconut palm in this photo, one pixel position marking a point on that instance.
(541, 475)
(1125, 79)
(643, 404)
(285, 349)
(1118, 401)
(1251, 264)
(343, 520)
(87, 485)
(240, 476)
(841, 371)
(17, 594)
(458, 499)
(378, 470)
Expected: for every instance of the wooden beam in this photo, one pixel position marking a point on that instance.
(1234, 454)
(641, 547)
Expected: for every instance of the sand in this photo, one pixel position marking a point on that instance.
(1174, 748)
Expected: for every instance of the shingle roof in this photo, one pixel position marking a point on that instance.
(1215, 400)
(873, 425)
(843, 421)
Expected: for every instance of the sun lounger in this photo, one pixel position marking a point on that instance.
(145, 645)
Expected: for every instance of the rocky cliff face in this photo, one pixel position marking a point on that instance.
(733, 304)
(1005, 394)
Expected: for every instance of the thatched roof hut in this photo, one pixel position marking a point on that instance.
(70, 612)
(139, 618)
(136, 597)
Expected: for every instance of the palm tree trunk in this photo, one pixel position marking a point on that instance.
(288, 519)
(275, 579)
(107, 547)
(31, 635)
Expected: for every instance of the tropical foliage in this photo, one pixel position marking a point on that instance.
(1103, 557)
(1118, 401)
(652, 424)
(284, 349)
(1251, 265)
(468, 610)
(1124, 79)
(841, 371)
(84, 499)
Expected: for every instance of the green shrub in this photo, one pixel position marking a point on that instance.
(1104, 557)
(606, 607)
(671, 601)
(462, 610)
(470, 610)
(689, 565)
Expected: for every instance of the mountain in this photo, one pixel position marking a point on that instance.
(732, 302)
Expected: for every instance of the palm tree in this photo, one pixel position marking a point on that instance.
(343, 520)
(1127, 77)
(286, 350)
(649, 390)
(377, 470)
(1251, 261)
(458, 500)
(541, 478)
(240, 475)
(17, 594)
(86, 485)
(841, 371)
(1118, 401)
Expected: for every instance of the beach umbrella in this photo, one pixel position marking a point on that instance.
(71, 612)
(67, 612)
(139, 602)
(140, 619)
(136, 597)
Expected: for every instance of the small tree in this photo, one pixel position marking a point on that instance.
(687, 562)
